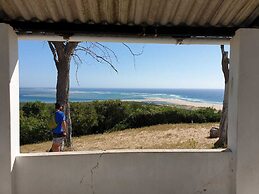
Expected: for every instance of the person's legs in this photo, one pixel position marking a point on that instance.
(62, 145)
(56, 145)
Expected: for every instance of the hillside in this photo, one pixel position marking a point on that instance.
(167, 136)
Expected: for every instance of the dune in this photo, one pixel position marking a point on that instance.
(182, 102)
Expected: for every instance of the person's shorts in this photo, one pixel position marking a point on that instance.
(58, 140)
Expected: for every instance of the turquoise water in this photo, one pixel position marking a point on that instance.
(91, 94)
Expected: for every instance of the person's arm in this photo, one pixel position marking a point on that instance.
(64, 126)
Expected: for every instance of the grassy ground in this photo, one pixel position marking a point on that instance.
(168, 136)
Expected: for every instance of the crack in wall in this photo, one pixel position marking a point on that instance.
(82, 179)
(92, 172)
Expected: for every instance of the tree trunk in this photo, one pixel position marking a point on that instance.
(62, 52)
(223, 126)
(69, 126)
(62, 95)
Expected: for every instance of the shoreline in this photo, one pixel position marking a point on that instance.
(181, 102)
(163, 101)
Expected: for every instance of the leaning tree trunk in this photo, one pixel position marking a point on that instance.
(223, 126)
(62, 52)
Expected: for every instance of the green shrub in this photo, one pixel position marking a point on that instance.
(34, 122)
(34, 109)
(84, 118)
(109, 113)
(103, 116)
(33, 130)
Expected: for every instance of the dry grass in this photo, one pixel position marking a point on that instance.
(168, 136)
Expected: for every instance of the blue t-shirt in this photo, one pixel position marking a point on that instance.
(59, 118)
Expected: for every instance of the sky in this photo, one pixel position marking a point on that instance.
(159, 66)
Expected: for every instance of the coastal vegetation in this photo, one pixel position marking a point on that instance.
(98, 117)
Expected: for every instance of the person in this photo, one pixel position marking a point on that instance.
(60, 131)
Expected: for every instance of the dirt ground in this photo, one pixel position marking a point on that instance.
(168, 136)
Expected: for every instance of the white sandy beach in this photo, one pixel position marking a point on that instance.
(182, 102)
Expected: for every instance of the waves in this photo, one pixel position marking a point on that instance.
(160, 95)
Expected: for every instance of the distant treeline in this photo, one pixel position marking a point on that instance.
(37, 118)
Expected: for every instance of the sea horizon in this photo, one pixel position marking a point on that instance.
(154, 95)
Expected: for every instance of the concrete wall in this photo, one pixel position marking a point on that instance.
(149, 172)
(9, 106)
(244, 110)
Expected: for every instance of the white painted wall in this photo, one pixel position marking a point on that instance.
(9, 106)
(244, 110)
(150, 172)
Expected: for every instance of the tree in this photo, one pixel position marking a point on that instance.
(63, 52)
(223, 127)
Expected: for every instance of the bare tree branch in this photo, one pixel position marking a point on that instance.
(60, 48)
(78, 58)
(133, 53)
(100, 51)
(98, 58)
(103, 52)
(108, 49)
(54, 52)
(74, 56)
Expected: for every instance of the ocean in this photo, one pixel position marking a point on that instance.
(160, 96)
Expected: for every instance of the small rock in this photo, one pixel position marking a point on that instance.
(214, 132)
